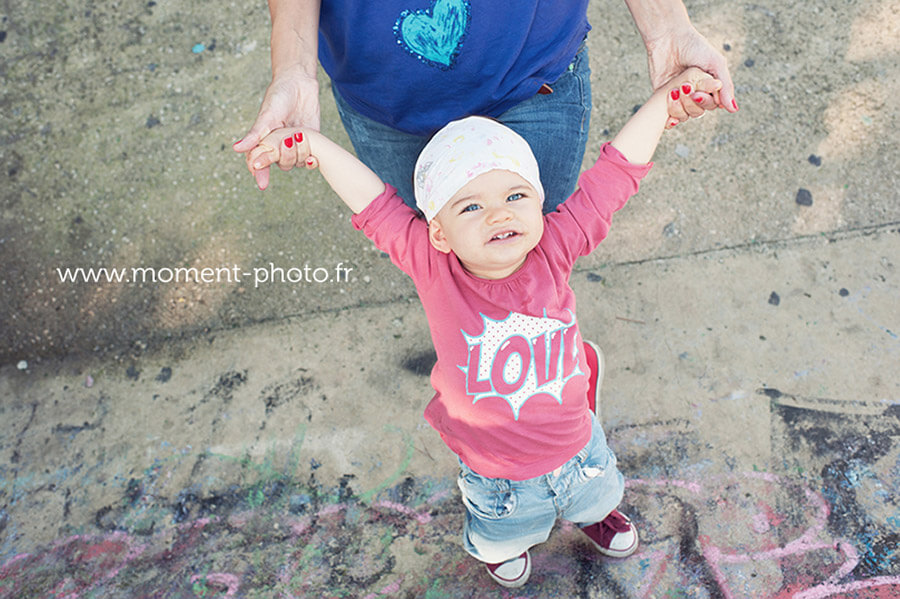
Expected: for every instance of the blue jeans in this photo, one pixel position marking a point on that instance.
(505, 517)
(555, 125)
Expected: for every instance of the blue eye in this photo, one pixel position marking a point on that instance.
(470, 208)
(514, 197)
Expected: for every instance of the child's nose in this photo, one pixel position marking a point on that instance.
(499, 214)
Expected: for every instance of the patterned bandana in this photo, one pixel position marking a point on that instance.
(465, 149)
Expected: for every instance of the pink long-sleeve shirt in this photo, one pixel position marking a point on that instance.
(510, 379)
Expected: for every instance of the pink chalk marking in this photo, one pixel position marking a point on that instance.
(229, 581)
(391, 589)
(11, 562)
(692, 487)
(711, 555)
(124, 540)
(659, 560)
(239, 520)
(130, 555)
(439, 496)
(828, 590)
(760, 523)
(198, 523)
(55, 591)
(298, 527)
(774, 518)
(766, 476)
(552, 563)
(852, 556)
(332, 509)
(797, 546)
(421, 518)
(805, 543)
(113, 536)
(104, 547)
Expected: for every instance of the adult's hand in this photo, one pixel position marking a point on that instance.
(291, 100)
(674, 52)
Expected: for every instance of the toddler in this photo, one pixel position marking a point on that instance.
(511, 383)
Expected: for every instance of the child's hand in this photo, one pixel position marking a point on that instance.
(690, 95)
(287, 147)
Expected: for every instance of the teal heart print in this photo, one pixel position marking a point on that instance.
(434, 35)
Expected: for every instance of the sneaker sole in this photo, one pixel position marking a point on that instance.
(619, 553)
(517, 582)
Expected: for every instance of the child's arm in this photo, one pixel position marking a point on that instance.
(638, 139)
(352, 180)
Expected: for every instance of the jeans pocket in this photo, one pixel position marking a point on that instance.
(573, 89)
(597, 463)
(487, 498)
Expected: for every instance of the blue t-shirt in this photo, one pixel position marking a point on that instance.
(416, 65)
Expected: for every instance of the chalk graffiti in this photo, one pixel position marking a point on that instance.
(310, 549)
(277, 532)
(835, 555)
(316, 549)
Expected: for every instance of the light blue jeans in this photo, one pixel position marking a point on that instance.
(555, 125)
(505, 517)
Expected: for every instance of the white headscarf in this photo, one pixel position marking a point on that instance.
(464, 149)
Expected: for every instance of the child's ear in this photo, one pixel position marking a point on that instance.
(437, 238)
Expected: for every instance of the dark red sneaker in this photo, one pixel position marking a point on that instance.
(595, 362)
(614, 536)
(512, 573)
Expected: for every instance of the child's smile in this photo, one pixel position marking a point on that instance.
(504, 236)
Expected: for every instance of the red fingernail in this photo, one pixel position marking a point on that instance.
(672, 123)
(697, 99)
(288, 142)
(734, 103)
(675, 94)
(298, 137)
(309, 161)
(686, 88)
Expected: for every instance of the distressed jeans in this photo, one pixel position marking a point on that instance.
(506, 517)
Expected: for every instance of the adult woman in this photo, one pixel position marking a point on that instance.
(400, 72)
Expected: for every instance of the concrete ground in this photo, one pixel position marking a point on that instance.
(263, 438)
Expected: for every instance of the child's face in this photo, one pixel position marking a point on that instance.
(490, 224)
